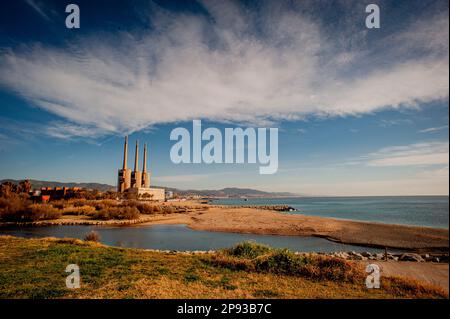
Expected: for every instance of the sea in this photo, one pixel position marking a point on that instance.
(431, 211)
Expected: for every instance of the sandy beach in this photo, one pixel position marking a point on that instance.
(260, 221)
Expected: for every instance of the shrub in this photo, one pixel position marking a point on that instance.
(42, 211)
(145, 208)
(250, 256)
(80, 210)
(59, 204)
(157, 209)
(13, 208)
(106, 203)
(117, 213)
(19, 209)
(79, 202)
(247, 249)
(92, 236)
(280, 262)
(168, 210)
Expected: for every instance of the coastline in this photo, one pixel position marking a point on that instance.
(267, 222)
(270, 222)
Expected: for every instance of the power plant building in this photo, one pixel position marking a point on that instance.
(137, 182)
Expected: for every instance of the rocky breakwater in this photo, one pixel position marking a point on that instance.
(278, 208)
(351, 255)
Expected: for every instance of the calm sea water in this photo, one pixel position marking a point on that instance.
(412, 210)
(179, 237)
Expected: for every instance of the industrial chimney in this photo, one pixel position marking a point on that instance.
(136, 177)
(145, 174)
(124, 174)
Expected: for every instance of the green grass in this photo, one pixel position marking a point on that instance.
(35, 268)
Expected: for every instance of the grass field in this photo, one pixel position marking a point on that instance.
(35, 268)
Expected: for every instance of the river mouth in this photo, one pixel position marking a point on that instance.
(181, 238)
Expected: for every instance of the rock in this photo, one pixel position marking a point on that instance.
(357, 256)
(411, 257)
(342, 255)
(379, 256)
(366, 254)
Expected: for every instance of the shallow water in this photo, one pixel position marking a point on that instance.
(179, 237)
(432, 211)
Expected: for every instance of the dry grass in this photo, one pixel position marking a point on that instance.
(118, 212)
(34, 268)
(19, 209)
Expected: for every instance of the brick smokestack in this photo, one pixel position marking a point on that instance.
(136, 158)
(125, 153)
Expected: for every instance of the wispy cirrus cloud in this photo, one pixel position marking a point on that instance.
(392, 122)
(434, 129)
(39, 8)
(430, 153)
(68, 131)
(231, 65)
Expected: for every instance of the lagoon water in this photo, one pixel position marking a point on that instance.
(179, 237)
(429, 211)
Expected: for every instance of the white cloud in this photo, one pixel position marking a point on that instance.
(68, 131)
(391, 122)
(38, 7)
(189, 67)
(434, 129)
(431, 153)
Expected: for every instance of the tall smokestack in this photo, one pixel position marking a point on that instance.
(136, 158)
(144, 165)
(145, 181)
(124, 174)
(125, 153)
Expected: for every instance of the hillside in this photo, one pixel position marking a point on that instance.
(231, 192)
(225, 192)
(36, 184)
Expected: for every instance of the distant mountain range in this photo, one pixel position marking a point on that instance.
(232, 192)
(225, 192)
(36, 184)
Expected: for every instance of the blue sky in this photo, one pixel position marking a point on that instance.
(359, 111)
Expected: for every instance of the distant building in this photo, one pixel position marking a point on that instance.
(136, 182)
(169, 194)
(54, 193)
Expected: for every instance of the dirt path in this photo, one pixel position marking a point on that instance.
(436, 274)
